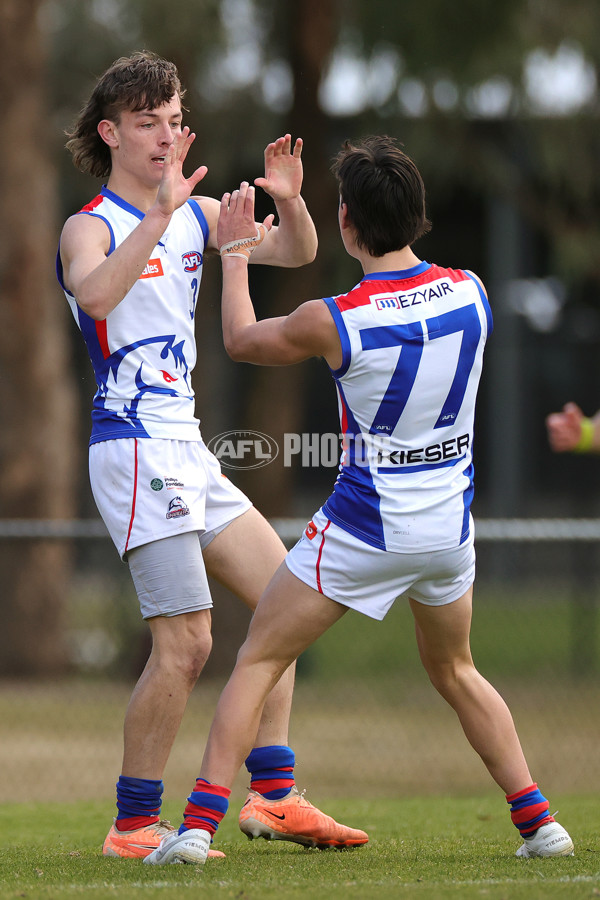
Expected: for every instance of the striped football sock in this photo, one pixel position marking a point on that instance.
(271, 771)
(138, 802)
(528, 810)
(207, 804)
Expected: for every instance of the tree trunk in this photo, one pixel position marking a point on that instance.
(37, 408)
(276, 404)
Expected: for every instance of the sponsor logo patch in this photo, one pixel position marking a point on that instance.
(156, 484)
(153, 269)
(311, 531)
(398, 300)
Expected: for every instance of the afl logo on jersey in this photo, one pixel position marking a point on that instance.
(192, 260)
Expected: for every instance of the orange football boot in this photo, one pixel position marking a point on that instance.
(295, 819)
(140, 842)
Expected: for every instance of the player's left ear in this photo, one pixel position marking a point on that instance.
(108, 132)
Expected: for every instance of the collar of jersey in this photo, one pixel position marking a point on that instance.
(120, 202)
(400, 275)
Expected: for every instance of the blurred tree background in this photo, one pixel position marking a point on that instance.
(497, 102)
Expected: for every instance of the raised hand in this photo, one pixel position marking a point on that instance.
(174, 189)
(283, 169)
(564, 428)
(237, 232)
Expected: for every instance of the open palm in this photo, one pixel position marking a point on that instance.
(283, 169)
(174, 189)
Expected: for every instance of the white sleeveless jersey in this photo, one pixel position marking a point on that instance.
(144, 352)
(412, 344)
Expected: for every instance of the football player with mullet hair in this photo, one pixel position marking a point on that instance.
(392, 528)
(130, 263)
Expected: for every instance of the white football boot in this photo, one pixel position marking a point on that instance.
(190, 846)
(548, 840)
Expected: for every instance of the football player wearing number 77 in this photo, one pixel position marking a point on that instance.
(405, 349)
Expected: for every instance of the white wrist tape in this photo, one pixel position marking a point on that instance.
(243, 246)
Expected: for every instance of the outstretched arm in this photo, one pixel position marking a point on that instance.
(308, 331)
(100, 281)
(570, 430)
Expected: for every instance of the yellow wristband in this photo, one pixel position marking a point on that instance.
(586, 440)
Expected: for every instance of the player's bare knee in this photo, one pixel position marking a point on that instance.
(192, 666)
(192, 654)
(447, 676)
(252, 660)
(182, 644)
(185, 663)
(260, 652)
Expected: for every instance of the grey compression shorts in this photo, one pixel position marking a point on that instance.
(169, 574)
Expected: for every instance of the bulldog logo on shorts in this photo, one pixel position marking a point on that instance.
(177, 508)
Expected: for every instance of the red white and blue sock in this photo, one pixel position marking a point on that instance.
(529, 809)
(207, 804)
(271, 771)
(138, 802)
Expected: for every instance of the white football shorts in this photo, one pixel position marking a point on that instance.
(355, 574)
(147, 489)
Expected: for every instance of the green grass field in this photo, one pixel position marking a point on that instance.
(376, 747)
(428, 847)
